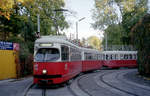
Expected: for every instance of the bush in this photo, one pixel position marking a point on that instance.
(25, 55)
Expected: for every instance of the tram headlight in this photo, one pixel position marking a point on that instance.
(44, 71)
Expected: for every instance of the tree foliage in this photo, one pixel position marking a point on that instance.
(140, 34)
(18, 22)
(21, 17)
(133, 28)
(130, 18)
(126, 14)
(95, 42)
(114, 35)
(18, 18)
(104, 14)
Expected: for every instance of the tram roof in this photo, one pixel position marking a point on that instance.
(119, 52)
(55, 39)
(90, 50)
(62, 40)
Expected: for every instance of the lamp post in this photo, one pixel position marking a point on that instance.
(55, 19)
(106, 42)
(77, 27)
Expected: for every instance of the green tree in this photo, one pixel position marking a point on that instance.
(49, 18)
(130, 12)
(18, 23)
(130, 18)
(140, 35)
(95, 42)
(114, 35)
(23, 18)
(104, 14)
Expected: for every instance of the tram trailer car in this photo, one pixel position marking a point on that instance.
(116, 59)
(91, 59)
(56, 60)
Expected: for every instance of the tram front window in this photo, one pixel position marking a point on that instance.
(47, 55)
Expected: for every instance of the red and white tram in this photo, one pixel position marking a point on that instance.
(91, 59)
(116, 59)
(56, 60)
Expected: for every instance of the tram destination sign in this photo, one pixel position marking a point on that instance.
(6, 45)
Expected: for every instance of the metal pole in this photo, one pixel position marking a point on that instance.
(38, 20)
(106, 41)
(77, 30)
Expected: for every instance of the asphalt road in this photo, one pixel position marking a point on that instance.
(15, 87)
(98, 83)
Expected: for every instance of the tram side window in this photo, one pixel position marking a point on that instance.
(116, 56)
(95, 57)
(88, 56)
(64, 53)
(126, 56)
(107, 57)
(112, 57)
(104, 57)
(121, 57)
(99, 57)
(75, 54)
(130, 56)
(134, 56)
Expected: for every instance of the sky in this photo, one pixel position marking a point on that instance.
(82, 8)
(148, 4)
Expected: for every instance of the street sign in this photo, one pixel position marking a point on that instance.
(16, 47)
(6, 45)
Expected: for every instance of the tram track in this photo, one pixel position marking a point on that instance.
(80, 87)
(77, 89)
(110, 85)
(86, 92)
(27, 90)
(113, 89)
(43, 92)
(141, 88)
(30, 93)
(71, 91)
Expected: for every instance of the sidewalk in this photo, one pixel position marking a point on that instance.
(6, 80)
(13, 80)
